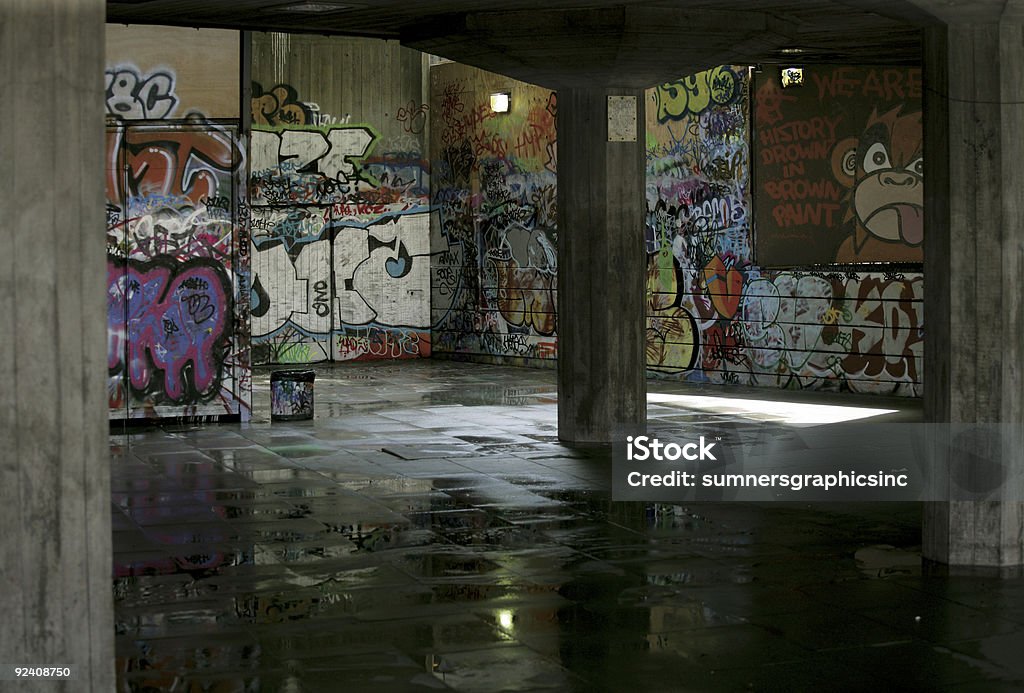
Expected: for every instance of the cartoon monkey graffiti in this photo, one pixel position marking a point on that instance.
(883, 172)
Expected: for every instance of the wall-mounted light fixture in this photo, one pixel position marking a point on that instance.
(501, 102)
(791, 76)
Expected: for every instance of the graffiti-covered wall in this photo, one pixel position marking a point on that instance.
(177, 250)
(339, 194)
(714, 314)
(495, 266)
(840, 167)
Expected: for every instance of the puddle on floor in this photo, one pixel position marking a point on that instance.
(883, 561)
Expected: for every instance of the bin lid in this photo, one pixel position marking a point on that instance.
(304, 376)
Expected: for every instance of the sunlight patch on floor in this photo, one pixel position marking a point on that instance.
(786, 412)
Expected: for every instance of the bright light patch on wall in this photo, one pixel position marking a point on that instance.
(501, 102)
(768, 410)
(791, 76)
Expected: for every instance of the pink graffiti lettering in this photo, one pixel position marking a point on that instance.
(170, 317)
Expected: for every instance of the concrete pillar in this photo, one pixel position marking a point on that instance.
(974, 257)
(601, 265)
(55, 567)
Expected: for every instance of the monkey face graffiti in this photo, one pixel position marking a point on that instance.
(884, 172)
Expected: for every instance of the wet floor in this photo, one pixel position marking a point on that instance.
(427, 531)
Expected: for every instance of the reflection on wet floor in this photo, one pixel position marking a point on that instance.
(428, 531)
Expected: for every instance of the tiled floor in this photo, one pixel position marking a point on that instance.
(428, 532)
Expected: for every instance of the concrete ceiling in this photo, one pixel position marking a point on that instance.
(558, 43)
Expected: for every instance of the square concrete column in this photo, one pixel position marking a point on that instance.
(601, 368)
(55, 569)
(974, 258)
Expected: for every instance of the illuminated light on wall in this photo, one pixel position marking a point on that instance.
(501, 102)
